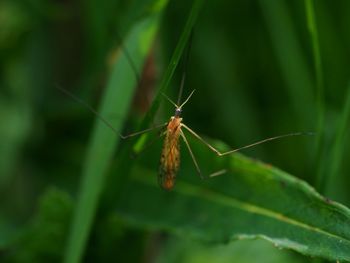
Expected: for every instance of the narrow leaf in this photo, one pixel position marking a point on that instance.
(116, 101)
(191, 20)
(312, 26)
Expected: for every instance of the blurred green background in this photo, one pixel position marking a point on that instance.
(252, 65)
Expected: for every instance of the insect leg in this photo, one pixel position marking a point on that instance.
(244, 147)
(91, 109)
(192, 155)
(88, 106)
(200, 138)
(195, 161)
(143, 131)
(218, 173)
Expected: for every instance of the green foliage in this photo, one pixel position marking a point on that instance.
(74, 192)
(182, 250)
(252, 200)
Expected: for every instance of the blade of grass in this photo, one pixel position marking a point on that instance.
(339, 145)
(192, 18)
(291, 58)
(312, 27)
(124, 162)
(174, 61)
(116, 100)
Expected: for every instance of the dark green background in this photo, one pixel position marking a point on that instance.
(251, 64)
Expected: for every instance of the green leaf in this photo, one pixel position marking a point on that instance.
(189, 251)
(319, 84)
(115, 101)
(337, 152)
(252, 200)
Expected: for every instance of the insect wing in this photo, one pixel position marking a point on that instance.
(169, 162)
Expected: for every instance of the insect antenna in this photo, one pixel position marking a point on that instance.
(189, 96)
(170, 100)
(176, 105)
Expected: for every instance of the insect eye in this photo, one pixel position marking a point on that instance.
(177, 112)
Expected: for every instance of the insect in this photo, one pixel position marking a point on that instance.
(170, 155)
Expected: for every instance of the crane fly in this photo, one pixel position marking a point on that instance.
(170, 156)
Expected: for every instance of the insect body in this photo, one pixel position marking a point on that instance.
(170, 158)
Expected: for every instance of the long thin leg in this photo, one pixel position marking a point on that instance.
(244, 147)
(218, 173)
(91, 109)
(143, 131)
(88, 106)
(200, 138)
(192, 155)
(195, 161)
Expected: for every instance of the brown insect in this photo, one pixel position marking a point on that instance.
(170, 157)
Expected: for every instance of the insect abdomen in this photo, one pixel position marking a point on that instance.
(169, 161)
